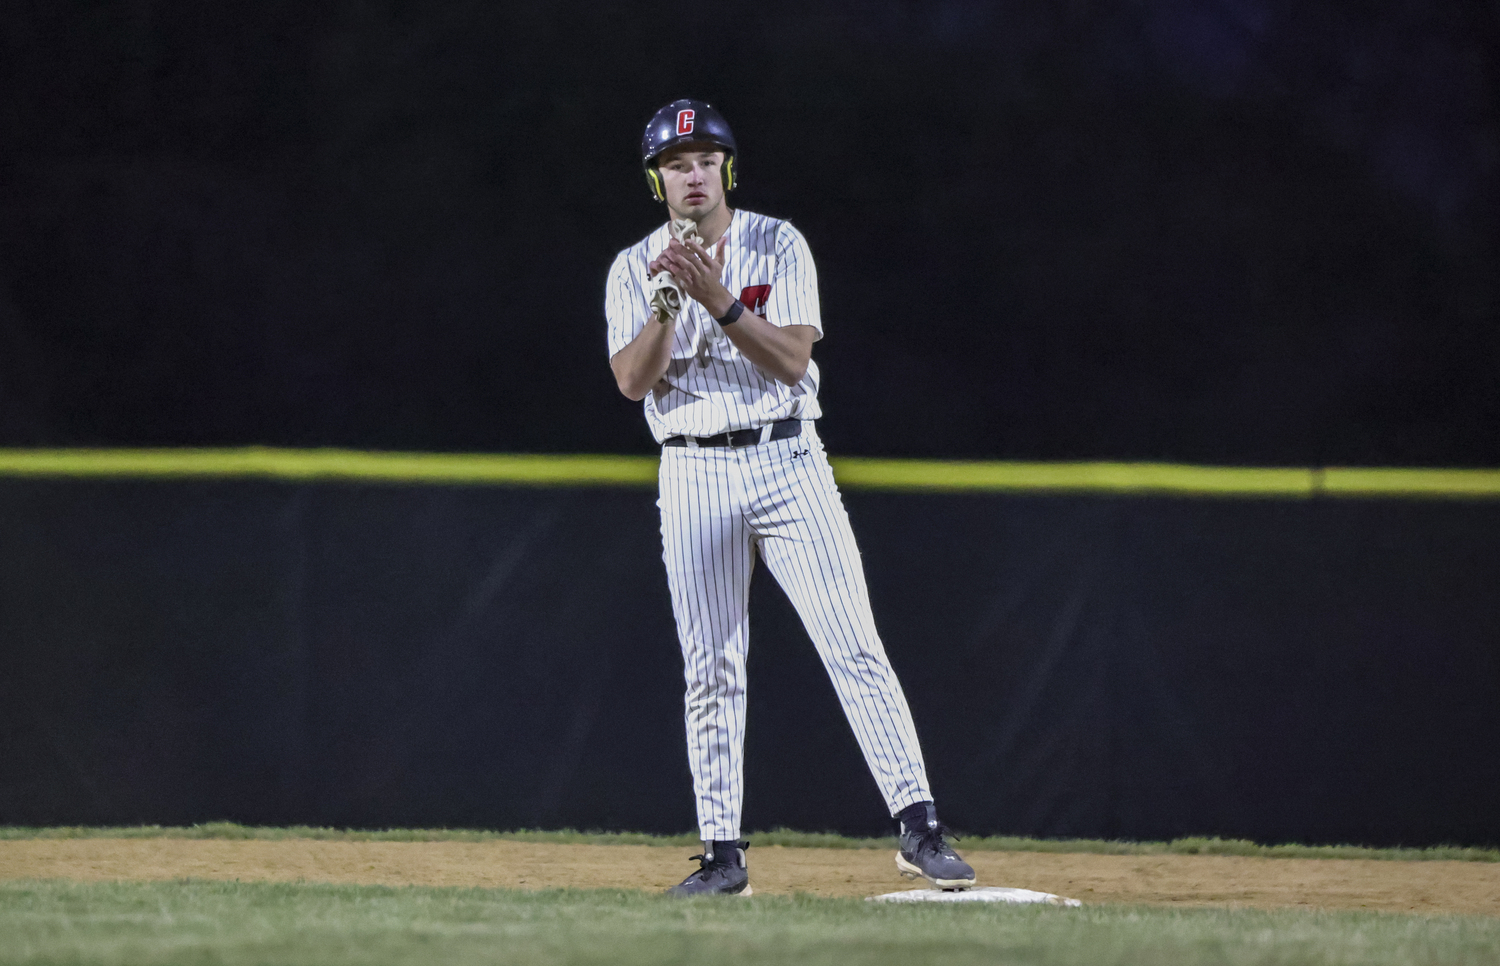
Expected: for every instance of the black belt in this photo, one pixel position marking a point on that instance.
(782, 429)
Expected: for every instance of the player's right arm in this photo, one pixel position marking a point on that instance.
(641, 365)
(640, 347)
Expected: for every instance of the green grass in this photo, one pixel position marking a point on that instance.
(229, 923)
(998, 843)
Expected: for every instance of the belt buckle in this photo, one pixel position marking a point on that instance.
(758, 435)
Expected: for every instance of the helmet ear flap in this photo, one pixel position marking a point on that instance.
(728, 173)
(654, 177)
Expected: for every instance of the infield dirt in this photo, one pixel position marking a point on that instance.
(1180, 880)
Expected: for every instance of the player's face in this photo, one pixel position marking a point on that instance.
(692, 176)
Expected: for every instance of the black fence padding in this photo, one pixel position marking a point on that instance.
(1324, 671)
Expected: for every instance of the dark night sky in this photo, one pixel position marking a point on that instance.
(1238, 231)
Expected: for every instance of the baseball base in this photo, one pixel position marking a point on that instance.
(981, 894)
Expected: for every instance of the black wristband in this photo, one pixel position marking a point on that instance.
(733, 315)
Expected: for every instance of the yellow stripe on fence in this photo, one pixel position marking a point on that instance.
(1411, 483)
(854, 473)
(1121, 478)
(334, 465)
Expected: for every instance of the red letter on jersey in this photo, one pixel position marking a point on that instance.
(685, 122)
(754, 298)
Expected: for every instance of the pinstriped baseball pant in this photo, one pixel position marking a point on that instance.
(718, 504)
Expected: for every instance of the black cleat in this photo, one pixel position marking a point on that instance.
(926, 853)
(721, 872)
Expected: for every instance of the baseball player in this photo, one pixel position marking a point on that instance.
(712, 319)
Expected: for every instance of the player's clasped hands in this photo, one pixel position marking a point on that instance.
(696, 269)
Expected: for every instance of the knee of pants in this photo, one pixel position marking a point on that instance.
(706, 693)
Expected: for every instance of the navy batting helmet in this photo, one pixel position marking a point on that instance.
(685, 120)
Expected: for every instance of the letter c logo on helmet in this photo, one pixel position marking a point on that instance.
(683, 120)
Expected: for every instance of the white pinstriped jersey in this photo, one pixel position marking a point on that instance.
(714, 389)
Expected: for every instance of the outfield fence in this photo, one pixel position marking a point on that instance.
(1090, 650)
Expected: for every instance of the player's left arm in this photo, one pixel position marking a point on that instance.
(780, 351)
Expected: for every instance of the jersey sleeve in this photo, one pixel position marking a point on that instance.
(794, 289)
(624, 304)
